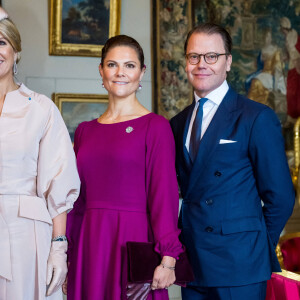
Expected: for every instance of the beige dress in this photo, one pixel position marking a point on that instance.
(38, 181)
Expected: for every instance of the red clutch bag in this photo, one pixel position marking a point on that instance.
(142, 261)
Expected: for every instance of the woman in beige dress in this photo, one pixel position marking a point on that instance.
(38, 183)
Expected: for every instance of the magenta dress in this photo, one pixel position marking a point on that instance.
(129, 193)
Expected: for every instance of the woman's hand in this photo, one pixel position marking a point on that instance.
(56, 266)
(65, 286)
(164, 277)
(57, 261)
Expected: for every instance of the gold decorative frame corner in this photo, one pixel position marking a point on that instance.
(56, 47)
(59, 98)
(82, 103)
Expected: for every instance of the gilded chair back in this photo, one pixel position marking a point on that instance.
(295, 170)
(288, 251)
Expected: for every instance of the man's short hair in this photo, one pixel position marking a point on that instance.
(211, 28)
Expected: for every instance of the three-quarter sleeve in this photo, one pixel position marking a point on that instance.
(161, 187)
(57, 177)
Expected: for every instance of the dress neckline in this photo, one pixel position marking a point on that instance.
(124, 122)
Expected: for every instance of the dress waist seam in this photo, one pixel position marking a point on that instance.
(116, 206)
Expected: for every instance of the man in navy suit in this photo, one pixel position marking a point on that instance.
(234, 177)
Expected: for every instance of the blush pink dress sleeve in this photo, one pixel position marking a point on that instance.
(129, 193)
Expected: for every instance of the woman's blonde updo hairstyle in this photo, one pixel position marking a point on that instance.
(11, 33)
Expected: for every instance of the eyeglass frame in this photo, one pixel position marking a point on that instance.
(199, 57)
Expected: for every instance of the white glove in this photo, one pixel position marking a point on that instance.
(57, 266)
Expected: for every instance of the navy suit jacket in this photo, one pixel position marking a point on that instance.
(229, 235)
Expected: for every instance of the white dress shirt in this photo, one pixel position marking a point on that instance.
(209, 109)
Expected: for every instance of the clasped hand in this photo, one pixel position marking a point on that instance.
(164, 277)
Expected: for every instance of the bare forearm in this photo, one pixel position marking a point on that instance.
(164, 274)
(59, 225)
(168, 261)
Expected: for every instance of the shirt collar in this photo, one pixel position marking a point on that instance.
(217, 95)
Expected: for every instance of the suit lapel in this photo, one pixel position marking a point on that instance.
(185, 132)
(220, 127)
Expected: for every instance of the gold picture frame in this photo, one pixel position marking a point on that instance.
(76, 30)
(77, 108)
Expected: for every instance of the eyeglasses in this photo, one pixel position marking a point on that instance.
(210, 58)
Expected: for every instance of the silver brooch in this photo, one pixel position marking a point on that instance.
(129, 129)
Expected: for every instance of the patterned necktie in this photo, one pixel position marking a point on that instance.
(196, 130)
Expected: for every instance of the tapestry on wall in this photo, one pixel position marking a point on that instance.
(171, 22)
(266, 53)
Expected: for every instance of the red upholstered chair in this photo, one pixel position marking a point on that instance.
(283, 286)
(286, 284)
(288, 252)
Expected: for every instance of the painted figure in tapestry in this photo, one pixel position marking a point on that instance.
(268, 80)
(292, 49)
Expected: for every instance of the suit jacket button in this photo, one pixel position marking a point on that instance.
(209, 201)
(218, 173)
(209, 229)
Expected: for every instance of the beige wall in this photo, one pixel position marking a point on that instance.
(48, 74)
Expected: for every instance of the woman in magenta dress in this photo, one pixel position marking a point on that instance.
(126, 162)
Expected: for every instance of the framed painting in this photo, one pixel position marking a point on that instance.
(76, 108)
(266, 52)
(81, 27)
(171, 22)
